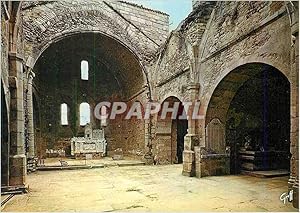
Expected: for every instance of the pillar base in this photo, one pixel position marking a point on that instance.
(14, 189)
(188, 169)
(296, 194)
(293, 184)
(188, 163)
(31, 164)
(188, 174)
(148, 159)
(17, 171)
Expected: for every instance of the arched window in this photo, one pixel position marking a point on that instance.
(84, 111)
(64, 114)
(84, 70)
(104, 116)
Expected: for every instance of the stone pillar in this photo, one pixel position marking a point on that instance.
(17, 158)
(193, 91)
(148, 157)
(31, 161)
(191, 139)
(31, 150)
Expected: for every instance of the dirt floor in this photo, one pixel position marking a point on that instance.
(147, 188)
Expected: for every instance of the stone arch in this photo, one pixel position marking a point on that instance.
(60, 19)
(282, 68)
(47, 23)
(170, 132)
(179, 97)
(255, 83)
(130, 71)
(15, 22)
(32, 59)
(146, 83)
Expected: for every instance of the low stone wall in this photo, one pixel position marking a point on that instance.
(211, 164)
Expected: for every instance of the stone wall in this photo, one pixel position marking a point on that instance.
(170, 70)
(154, 24)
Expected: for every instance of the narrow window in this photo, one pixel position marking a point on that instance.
(64, 114)
(104, 116)
(84, 111)
(84, 70)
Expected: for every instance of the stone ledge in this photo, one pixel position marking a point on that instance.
(214, 156)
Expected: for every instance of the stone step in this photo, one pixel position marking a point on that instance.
(266, 174)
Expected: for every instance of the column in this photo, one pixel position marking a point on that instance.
(191, 139)
(31, 161)
(17, 158)
(31, 151)
(148, 157)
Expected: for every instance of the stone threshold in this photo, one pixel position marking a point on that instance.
(75, 167)
(14, 189)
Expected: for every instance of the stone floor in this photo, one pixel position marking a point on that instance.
(147, 188)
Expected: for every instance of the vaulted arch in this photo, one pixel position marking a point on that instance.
(50, 22)
(252, 103)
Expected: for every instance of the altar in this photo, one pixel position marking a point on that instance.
(92, 144)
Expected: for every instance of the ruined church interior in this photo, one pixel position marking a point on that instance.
(128, 106)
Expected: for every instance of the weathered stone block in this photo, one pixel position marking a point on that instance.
(187, 166)
(188, 169)
(190, 141)
(197, 150)
(188, 156)
(17, 170)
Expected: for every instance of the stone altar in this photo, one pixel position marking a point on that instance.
(93, 143)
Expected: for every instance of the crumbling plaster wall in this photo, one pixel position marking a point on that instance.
(242, 33)
(46, 22)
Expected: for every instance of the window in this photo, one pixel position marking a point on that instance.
(84, 70)
(84, 111)
(64, 114)
(104, 116)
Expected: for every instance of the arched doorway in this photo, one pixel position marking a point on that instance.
(4, 141)
(253, 103)
(171, 129)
